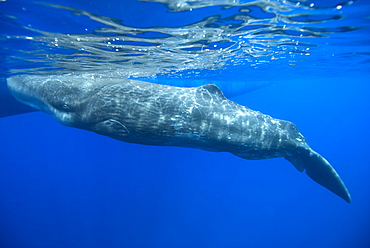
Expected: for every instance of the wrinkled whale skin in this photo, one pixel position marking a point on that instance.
(153, 114)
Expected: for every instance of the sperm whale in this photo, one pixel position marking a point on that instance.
(153, 114)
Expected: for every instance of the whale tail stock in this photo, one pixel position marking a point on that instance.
(320, 170)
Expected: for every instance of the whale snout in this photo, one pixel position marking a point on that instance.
(52, 95)
(23, 89)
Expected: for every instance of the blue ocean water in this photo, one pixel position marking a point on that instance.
(306, 62)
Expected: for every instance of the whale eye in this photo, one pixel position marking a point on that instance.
(63, 106)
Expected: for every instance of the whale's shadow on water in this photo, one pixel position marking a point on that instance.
(153, 114)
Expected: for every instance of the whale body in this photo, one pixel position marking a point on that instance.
(153, 114)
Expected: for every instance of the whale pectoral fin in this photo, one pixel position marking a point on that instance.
(111, 127)
(320, 170)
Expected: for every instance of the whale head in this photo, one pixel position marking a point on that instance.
(61, 99)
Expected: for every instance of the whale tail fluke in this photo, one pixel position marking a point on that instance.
(320, 170)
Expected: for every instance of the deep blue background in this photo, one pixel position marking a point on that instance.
(64, 187)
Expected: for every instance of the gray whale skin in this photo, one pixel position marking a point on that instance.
(153, 114)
